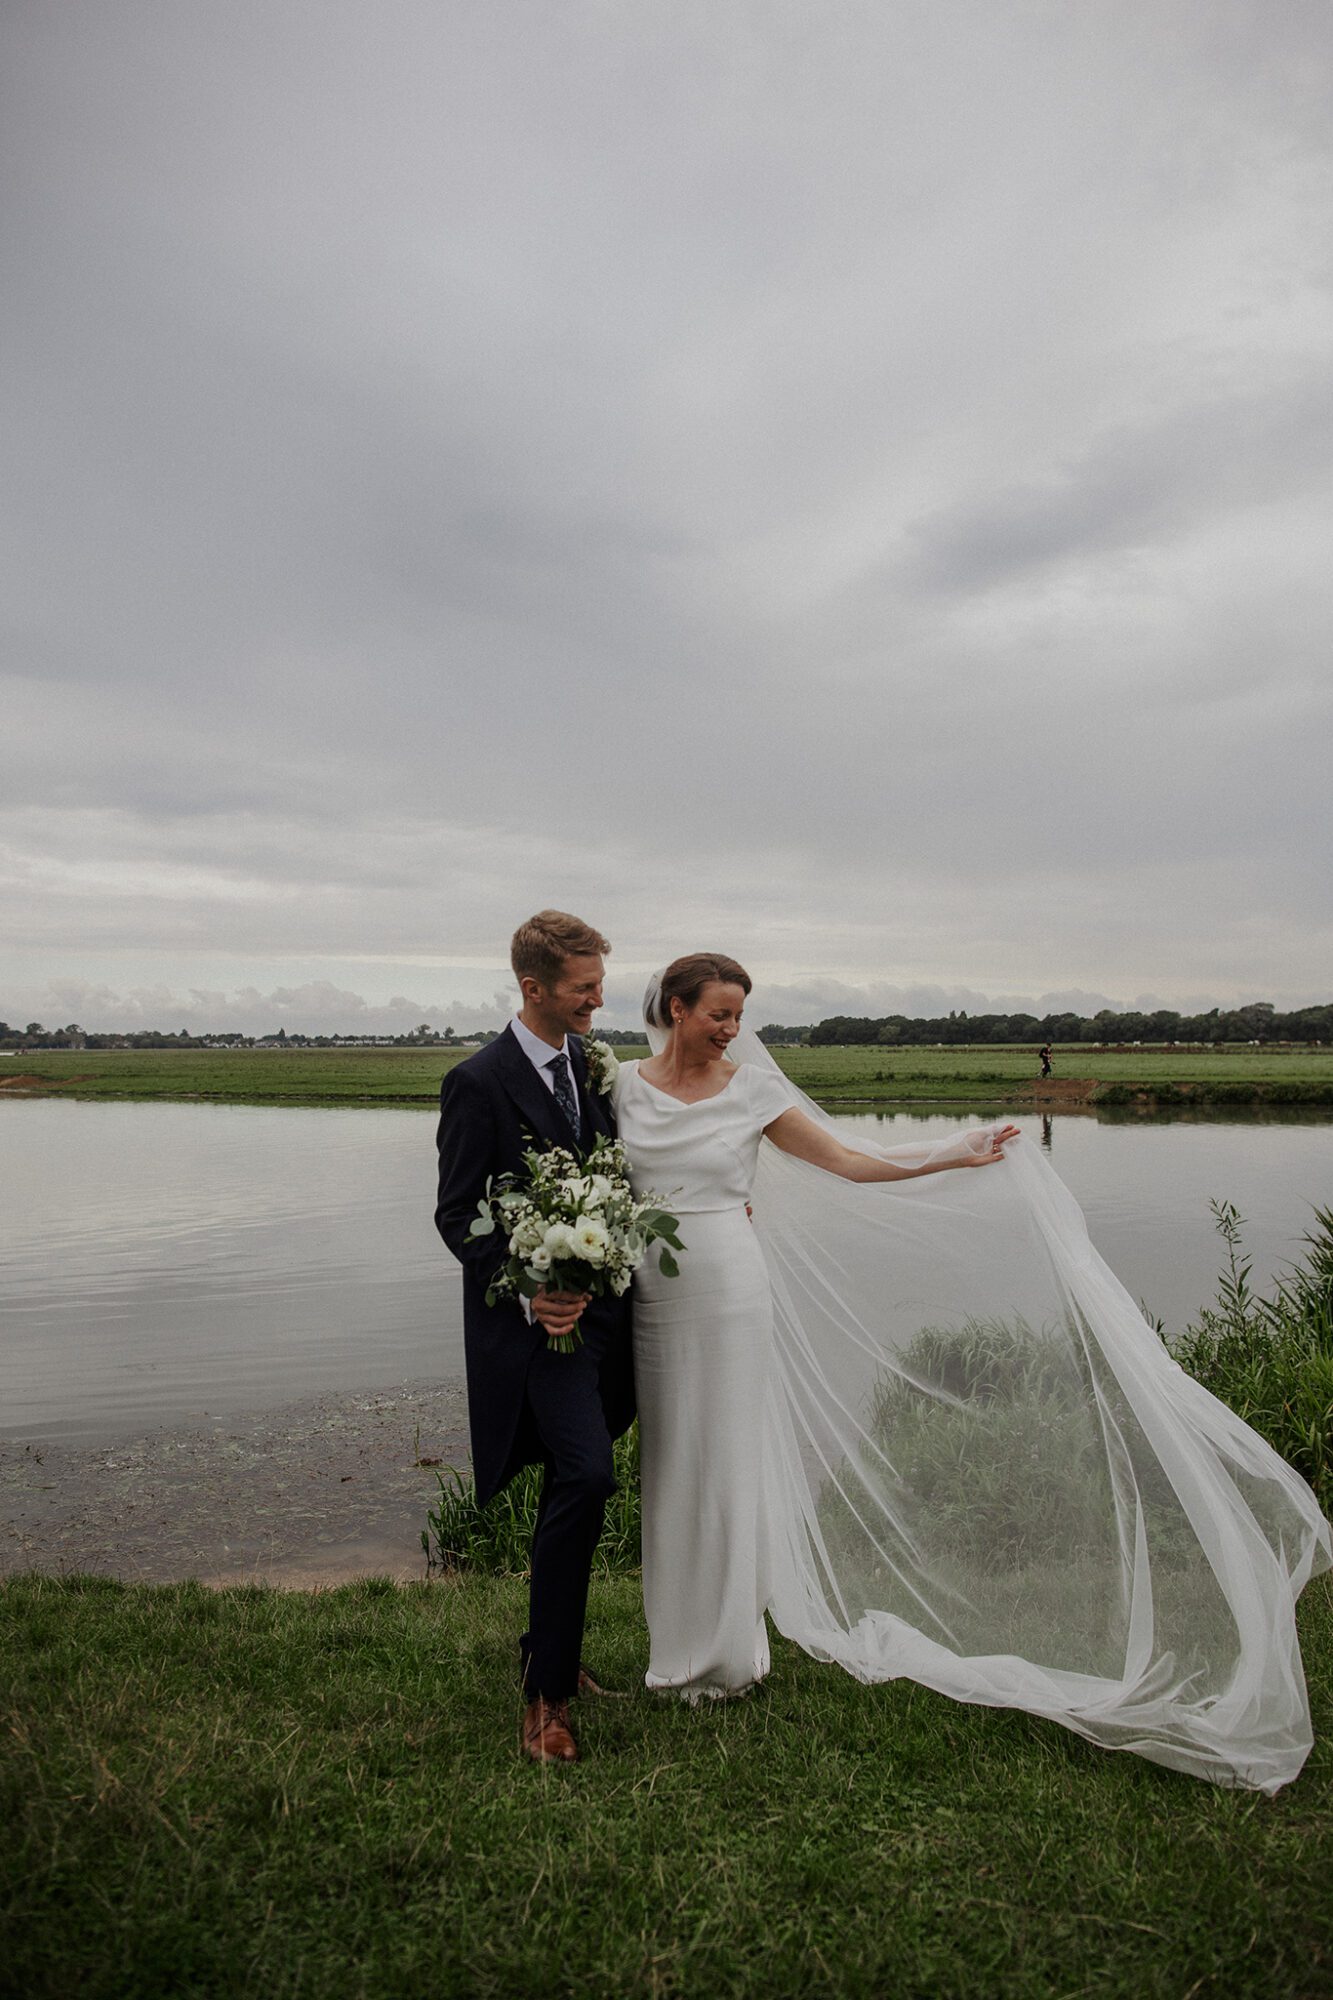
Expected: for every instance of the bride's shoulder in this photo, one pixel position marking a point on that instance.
(766, 1089)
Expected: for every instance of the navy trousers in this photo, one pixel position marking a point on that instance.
(565, 1406)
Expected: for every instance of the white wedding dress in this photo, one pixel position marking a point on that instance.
(703, 1348)
(923, 1427)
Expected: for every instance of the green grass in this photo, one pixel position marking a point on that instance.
(1004, 1074)
(989, 1074)
(264, 1792)
(241, 1076)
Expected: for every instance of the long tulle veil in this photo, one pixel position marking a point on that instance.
(985, 1473)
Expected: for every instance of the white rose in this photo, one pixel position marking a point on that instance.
(600, 1187)
(559, 1239)
(540, 1258)
(590, 1240)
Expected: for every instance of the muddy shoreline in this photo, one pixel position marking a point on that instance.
(315, 1493)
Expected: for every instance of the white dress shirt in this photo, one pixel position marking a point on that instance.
(540, 1053)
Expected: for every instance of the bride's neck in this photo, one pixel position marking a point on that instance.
(673, 1065)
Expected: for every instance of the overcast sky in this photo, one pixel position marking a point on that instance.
(845, 483)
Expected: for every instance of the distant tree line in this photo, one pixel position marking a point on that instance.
(1258, 1022)
(35, 1036)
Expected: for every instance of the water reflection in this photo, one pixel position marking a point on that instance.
(171, 1261)
(166, 1261)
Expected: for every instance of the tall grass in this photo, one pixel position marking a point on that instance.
(496, 1539)
(1271, 1359)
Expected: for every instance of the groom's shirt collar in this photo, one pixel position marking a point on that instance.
(538, 1052)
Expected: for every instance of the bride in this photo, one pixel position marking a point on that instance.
(909, 1414)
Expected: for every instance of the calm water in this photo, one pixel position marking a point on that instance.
(166, 1262)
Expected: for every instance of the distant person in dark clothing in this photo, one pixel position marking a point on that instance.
(1045, 1055)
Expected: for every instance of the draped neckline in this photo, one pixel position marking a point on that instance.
(686, 1103)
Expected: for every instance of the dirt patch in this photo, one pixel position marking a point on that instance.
(313, 1494)
(1056, 1090)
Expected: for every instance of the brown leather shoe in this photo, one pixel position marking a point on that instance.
(546, 1735)
(587, 1685)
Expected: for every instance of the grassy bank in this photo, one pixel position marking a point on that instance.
(993, 1075)
(255, 1791)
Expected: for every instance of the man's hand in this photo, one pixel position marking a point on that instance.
(559, 1312)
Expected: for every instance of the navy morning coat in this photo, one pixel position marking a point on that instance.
(493, 1108)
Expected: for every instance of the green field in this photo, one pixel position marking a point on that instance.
(990, 1074)
(1004, 1074)
(263, 1792)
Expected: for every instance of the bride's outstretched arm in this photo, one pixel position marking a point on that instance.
(798, 1135)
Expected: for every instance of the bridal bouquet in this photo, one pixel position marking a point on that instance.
(573, 1225)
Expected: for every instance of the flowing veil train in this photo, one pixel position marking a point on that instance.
(984, 1472)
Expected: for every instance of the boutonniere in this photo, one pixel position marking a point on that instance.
(602, 1066)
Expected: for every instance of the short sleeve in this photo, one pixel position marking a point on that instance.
(770, 1094)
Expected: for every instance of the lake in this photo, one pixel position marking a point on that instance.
(165, 1263)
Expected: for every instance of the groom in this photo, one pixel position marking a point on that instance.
(528, 1402)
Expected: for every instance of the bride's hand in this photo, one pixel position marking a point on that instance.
(994, 1150)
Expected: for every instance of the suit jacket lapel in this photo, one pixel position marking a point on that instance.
(595, 1108)
(530, 1094)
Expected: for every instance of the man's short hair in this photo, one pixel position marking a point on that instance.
(540, 946)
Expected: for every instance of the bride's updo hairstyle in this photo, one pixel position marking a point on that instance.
(686, 978)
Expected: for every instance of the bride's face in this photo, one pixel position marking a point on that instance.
(704, 1031)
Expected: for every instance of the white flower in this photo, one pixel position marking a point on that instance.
(575, 1186)
(540, 1258)
(591, 1240)
(559, 1239)
(600, 1188)
(602, 1066)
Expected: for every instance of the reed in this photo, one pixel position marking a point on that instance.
(1271, 1359)
(496, 1539)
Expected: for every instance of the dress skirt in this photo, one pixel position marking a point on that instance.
(702, 1352)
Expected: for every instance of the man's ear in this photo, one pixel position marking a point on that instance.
(530, 988)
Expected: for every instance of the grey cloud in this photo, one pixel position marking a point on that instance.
(1141, 484)
(846, 487)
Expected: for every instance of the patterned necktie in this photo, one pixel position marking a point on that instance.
(565, 1095)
